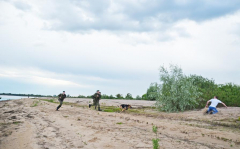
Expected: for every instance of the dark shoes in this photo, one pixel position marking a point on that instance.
(95, 107)
(211, 112)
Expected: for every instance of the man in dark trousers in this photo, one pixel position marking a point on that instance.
(61, 97)
(96, 97)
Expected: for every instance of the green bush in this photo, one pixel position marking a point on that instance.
(177, 91)
(153, 91)
(229, 94)
(144, 97)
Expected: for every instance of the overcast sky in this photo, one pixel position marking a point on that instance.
(116, 46)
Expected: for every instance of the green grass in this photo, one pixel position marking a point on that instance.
(119, 123)
(17, 122)
(110, 109)
(50, 100)
(35, 103)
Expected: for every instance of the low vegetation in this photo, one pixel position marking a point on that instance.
(179, 92)
(35, 103)
(155, 140)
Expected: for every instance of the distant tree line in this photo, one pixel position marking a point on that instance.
(117, 96)
(30, 95)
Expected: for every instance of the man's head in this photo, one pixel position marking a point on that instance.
(63, 92)
(215, 97)
(97, 91)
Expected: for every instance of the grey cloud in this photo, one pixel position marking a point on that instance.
(22, 6)
(138, 16)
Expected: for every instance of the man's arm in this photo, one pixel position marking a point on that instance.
(224, 104)
(207, 103)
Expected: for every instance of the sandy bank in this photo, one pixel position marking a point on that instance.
(34, 123)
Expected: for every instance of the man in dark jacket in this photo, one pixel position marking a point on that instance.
(61, 97)
(96, 97)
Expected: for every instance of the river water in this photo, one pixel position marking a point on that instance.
(5, 97)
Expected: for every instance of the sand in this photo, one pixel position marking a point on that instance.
(34, 124)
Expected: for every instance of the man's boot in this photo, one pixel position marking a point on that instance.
(99, 109)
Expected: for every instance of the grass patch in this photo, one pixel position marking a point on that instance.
(65, 116)
(110, 109)
(117, 109)
(35, 103)
(17, 122)
(119, 123)
(50, 100)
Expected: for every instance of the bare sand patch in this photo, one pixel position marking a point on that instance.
(34, 123)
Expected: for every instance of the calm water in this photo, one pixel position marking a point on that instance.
(4, 97)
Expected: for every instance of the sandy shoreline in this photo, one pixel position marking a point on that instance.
(34, 123)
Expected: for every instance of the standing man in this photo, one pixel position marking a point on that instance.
(96, 97)
(61, 97)
(212, 108)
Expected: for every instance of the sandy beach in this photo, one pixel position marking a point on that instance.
(34, 124)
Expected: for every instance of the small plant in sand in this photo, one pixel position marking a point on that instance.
(119, 123)
(155, 141)
(35, 103)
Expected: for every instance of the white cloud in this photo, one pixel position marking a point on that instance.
(118, 61)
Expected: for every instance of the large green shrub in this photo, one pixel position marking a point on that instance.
(177, 92)
(144, 97)
(206, 87)
(153, 91)
(229, 94)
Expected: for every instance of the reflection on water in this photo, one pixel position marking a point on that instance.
(5, 97)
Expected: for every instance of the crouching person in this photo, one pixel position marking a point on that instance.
(212, 108)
